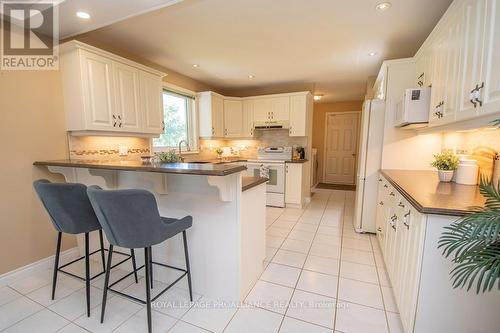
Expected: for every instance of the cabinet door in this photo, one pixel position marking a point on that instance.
(451, 70)
(218, 116)
(293, 183)
(298, 115)
(233, 118)
(472, 37)
(490, 94)
(127, 97)
(151, 102)
(98, 87)
(280, 109)
(248, 118)
(420, 69)
(262, 110)
(438, 83)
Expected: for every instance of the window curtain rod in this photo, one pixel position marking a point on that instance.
(178, 93)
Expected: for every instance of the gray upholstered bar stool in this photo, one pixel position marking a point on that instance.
(130, 219)
(71, 212)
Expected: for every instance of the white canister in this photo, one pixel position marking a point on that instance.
(467, 172)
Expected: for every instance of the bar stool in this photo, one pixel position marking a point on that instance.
(71, 212)
(130, 219)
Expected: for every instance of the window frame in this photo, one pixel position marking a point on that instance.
(192, 120)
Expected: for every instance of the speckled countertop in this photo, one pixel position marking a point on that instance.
(207, 169)
(430, 196)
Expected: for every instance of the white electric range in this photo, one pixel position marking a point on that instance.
(270, 163)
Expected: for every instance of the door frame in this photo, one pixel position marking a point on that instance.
(325, 140)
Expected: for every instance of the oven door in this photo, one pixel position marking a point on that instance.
(276, 182)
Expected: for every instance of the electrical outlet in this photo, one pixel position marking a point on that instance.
(123, 150)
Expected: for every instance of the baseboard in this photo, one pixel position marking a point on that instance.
(37, 266)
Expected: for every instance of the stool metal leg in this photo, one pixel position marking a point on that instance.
(101, 239)
(87, 272)
(186, 254)
(147, 259)
(151, 265)
(56, 264)
(134, 265)
(106, 282)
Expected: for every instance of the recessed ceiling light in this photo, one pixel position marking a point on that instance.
(317, 97)
(383, 6)
(371, 54)
(251, 76)
(196, 65)
(83, 15)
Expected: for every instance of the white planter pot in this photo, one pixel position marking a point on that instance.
(445, 175)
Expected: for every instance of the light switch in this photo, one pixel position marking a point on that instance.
(123, 150)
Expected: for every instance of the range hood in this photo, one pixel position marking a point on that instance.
(271, 125)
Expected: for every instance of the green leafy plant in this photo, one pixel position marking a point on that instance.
(473, 242)
(170, 156)
(445, 161)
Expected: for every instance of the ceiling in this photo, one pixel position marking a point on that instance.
(324, 43)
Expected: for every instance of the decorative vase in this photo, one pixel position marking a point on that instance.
(445, 175)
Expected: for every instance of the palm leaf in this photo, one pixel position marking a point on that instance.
(473, 243)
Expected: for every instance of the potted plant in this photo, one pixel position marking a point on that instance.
(170, 156)
(446, 163)
(219, 152)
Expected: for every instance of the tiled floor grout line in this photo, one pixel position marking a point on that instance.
(259, 279)
(302, 268)
(380, 288)
(340, 264)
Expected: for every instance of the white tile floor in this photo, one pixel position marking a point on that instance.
(320, 276)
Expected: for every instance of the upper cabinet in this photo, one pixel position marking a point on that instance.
(104, 93)
(233, 118)
(211, 112)
(461, 62)
(237, 117)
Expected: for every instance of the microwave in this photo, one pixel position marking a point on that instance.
(412, 110)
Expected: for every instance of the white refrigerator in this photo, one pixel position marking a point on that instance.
(370, 158)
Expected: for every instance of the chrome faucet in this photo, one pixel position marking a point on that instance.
(180, 145)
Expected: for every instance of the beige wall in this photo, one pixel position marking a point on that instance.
(31, 128)
(320, 110)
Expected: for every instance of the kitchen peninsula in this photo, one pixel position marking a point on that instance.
(227, 239)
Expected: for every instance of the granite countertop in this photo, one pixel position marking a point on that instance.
(248, 182)
(430, 196)
(206, 169)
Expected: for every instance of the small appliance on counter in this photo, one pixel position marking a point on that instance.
(467, 171)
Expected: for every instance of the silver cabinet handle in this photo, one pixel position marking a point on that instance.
(478, 94)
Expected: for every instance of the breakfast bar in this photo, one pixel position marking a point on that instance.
(227, 239)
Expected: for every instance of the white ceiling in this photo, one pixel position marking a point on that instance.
(325, 42)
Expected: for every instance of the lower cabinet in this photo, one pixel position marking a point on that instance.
(401, 233)
(293, 184)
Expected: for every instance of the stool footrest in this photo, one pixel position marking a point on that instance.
(60, 268)
(139, 268)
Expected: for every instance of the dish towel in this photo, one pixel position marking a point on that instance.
(264, 171)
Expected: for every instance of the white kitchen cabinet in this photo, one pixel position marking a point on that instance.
(105, 94)
(300, 106)
(293, 184)
(126, 80)
(248, 118)
(472, 37)
(98, 93)
(211, 114)
(490, 94)
(262, 110)
(233, 118)
(151, 103)
(280, 108)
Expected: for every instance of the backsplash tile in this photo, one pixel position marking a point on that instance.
(104, 147)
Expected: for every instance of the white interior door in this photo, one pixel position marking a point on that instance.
(340, 148)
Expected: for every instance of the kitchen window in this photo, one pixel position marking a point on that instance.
(180, 122)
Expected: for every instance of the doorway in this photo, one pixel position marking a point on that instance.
(341, 146)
